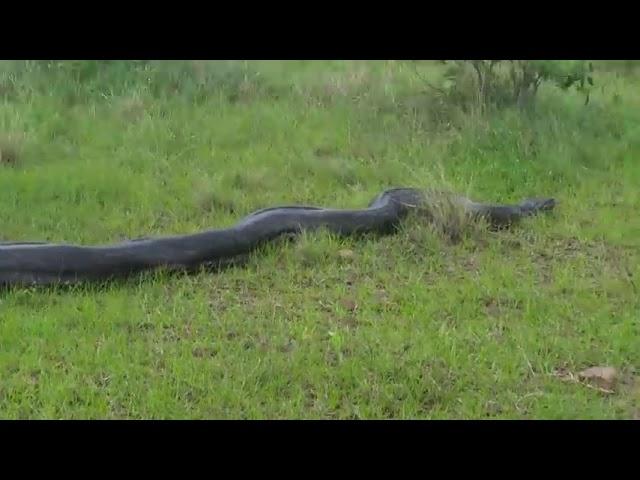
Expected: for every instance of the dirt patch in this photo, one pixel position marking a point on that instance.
(601, 379)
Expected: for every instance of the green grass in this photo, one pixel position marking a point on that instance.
(409, 326)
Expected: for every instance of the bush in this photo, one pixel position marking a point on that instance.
(485, 84)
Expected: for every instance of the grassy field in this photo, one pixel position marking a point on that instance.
(408, 326)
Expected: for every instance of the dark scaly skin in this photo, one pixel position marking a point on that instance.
(39, 263)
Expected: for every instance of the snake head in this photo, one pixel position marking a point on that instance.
(533, 205)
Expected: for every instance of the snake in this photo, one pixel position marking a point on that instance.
(43, 263)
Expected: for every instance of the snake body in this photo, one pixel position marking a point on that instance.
(39, 263)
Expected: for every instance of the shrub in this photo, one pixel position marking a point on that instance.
(485, 84)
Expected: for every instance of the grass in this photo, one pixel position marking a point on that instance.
(409, 326)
